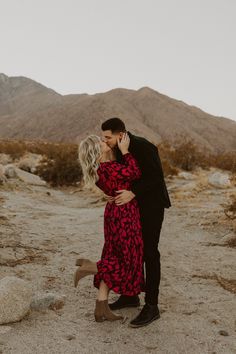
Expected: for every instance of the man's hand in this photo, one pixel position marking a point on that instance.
(109, 198)
(124, 197)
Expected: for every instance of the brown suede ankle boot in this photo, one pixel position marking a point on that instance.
(88, 268)
(102, 312)
(82, 261)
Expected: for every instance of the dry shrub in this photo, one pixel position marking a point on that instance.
(184, 155)
(17, 148)
(225, 161)
(230, 212)
(4, 220)
(14, 148)
(60, 164)
(61, 167)
(165, 151)
(232, 242)
(230, 209)
(233, 179)
(187, 156)
(168, 169)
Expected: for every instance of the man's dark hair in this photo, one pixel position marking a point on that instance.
(116, 125)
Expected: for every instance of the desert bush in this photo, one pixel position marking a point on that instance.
(187, 156)
(17, 148)
(165, 150)
(230, 209)
(60, 162)
(14, 148)
(168, 169)
(184, 155)
(230, 212)
(61, 166)
(225, 161)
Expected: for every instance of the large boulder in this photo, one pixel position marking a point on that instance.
(29, 178)
(15, 299)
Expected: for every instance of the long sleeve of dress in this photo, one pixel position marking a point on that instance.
(128, 170)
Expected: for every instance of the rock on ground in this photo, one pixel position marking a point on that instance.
(219, 179)
(15, 299)
(48, 300)
(29, 178)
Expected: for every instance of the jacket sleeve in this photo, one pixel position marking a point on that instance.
(152, 173)
(128, 170)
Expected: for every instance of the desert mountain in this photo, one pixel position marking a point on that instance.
(29, 110)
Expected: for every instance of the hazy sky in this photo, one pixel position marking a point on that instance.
(185, 49)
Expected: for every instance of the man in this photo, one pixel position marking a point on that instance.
(152, 196)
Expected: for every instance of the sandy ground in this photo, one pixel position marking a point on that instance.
(46, 229)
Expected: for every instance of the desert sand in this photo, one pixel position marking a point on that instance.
(44, 230)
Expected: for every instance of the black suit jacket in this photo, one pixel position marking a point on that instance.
(150, 190)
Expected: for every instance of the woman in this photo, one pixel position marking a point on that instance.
(121, 266)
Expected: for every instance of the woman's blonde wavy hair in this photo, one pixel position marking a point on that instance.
(89, 154)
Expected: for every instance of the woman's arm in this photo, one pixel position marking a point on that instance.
(128, 170)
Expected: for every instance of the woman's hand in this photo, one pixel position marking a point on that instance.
(109, 198)
(123, 143)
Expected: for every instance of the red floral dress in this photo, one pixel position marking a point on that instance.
(121, 264)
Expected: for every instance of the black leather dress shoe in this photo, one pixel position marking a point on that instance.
(148, 314)
(125, 301)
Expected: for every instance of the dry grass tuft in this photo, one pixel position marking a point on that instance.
(227, 284)
(32, 258)
(231, 242)
(4, 220)
(230, 209)
(31, 254)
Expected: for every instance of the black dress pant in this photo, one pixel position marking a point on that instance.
(151, 220)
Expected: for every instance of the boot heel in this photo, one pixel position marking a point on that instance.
(99, 318)
(79, 262)
(99, 311)
(103, 313)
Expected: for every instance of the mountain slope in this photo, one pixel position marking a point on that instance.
(30, 110)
